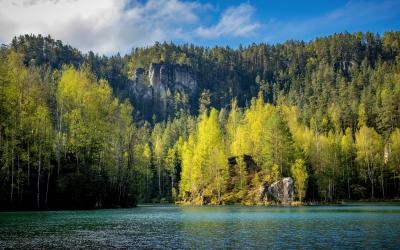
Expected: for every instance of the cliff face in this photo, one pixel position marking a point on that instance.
(139, 85)
(173, 77)
(149, 87)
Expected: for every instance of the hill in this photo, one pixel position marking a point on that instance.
(84, 130)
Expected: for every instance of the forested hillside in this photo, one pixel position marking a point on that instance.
(74, 132)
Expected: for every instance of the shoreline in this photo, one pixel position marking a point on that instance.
(293, 204)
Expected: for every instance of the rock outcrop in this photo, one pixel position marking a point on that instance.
(151, 85)
(281, 191)
(251, 166)
(251, 169)
(140, 85)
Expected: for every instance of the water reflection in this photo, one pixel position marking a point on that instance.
(350, 226)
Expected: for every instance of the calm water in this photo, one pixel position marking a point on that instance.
(348, 226)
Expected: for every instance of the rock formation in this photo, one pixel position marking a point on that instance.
(234, 171)
(140, 85)
(281, 191)
(251, 166)
(150, 86)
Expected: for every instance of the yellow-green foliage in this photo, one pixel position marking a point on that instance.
(369, 146)
(204, 162)
(264, 134)
(394, 154)
(300, 176)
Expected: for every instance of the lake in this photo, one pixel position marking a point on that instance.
(347, 226)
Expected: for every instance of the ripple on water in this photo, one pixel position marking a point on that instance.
(235, 227)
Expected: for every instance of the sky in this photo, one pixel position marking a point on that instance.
(111, 26)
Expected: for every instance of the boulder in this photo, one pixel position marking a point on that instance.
(281, 191)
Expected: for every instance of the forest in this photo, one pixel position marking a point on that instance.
(325, 112)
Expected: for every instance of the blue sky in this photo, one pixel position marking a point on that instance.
(306, 20)
(110, 26)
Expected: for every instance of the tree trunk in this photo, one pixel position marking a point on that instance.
(38, 182)
(29, 164)
(47, 188)
(147, 181)
(77, 162)
(159, 179)
(382, 184)
(58, 157)
(348, 181)
(12, 165)
(218, 186)
(59, 141)
(372, 188)
(397, 187)
(12, 175)
(18, 181)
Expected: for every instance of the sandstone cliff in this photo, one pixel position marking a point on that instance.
(150, 86)
(159, 77)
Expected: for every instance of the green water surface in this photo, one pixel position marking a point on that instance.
(350, 226)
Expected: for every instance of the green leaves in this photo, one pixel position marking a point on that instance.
(204, 162)
(369, 146)
(300, 175)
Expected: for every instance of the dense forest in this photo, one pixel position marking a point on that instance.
(325, 112)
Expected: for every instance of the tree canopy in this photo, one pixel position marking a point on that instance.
(326, 112)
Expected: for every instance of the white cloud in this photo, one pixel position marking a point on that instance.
(235, 21)
(105, 26)
(110, 26)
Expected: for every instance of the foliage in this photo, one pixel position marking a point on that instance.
(70, 137)
(300, 175)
